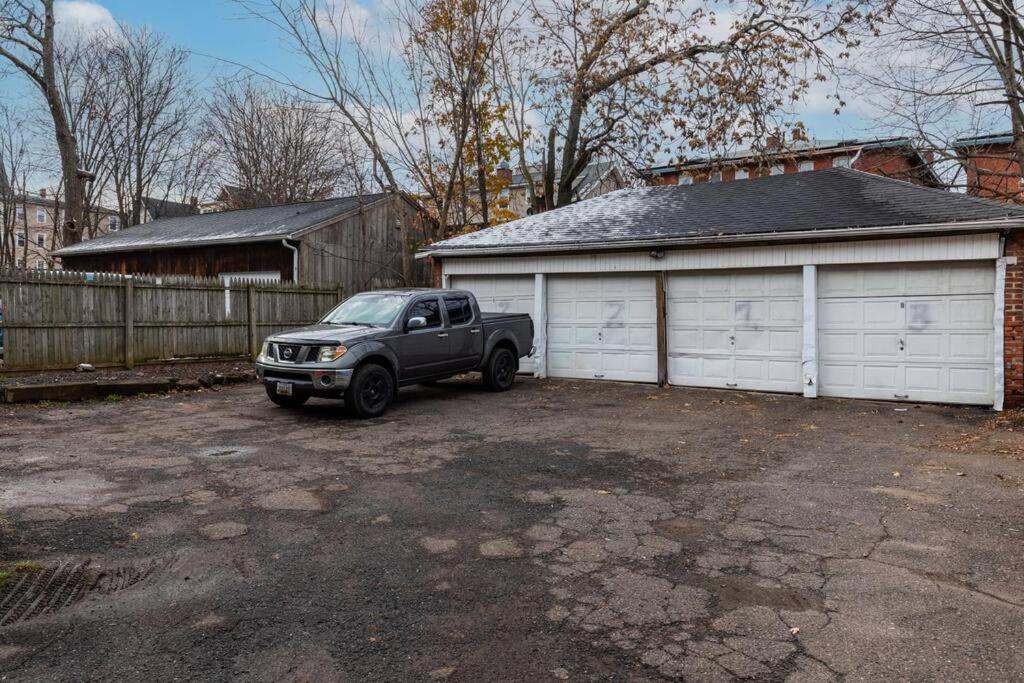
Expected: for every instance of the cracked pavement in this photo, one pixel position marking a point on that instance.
(562, 531)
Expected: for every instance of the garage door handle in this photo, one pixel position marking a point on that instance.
(731, 384)
(902, 395)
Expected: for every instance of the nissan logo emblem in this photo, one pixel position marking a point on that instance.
(288, 352)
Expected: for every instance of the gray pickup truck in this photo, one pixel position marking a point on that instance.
(374, 342)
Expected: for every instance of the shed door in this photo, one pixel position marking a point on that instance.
(914, 332)
(602, 327)
(501, 294)
(735, 330)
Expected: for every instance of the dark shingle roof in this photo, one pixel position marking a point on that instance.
(165, 208)
(831, 199)
(226, 227)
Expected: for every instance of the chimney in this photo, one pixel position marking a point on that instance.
(774, 142)
(504, 174)
(193, 201)
(42, 193)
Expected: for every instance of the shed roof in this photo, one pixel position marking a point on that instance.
(265, 224)
(797, 203)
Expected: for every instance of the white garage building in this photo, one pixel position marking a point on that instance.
(830, 283)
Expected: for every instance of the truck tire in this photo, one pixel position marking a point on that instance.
(371, 391)
(294, 401)
(500, 372)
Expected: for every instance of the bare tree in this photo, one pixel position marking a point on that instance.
(949, 71)
(154, 107)
(622, 78)
(16, 166)
(275, 148)
(28, 42)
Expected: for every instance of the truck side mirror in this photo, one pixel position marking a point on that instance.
(416, 323)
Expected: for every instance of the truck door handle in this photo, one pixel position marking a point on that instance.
(442, 335)
(474, 331)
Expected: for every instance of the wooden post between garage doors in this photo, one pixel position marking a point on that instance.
(662, 317)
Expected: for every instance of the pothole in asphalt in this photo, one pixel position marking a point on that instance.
(30, 594)
(224, 451)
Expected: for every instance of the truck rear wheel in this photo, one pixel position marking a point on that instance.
(371, 391)
(500, 372)
(294, 401)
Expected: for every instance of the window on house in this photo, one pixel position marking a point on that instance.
(685, 179)
(20, 239)
(715, 177)
(41, 240)
(40, 215)
(21, 263)
(113, 223)
(742, 174)
(778, 169)
(806, 165)
(19, 212)
(841, 162)
(460, 312)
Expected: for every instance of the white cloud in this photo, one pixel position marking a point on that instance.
(83, 16)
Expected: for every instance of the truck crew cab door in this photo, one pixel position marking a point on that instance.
(465, 333)
(423, 351)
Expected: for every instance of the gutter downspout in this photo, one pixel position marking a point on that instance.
(295, 260)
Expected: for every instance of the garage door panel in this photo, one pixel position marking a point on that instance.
(602, 327)
(748, 333)
(501, 294)
(923, 332)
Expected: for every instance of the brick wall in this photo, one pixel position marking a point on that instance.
(992, 173)
(1013, 323)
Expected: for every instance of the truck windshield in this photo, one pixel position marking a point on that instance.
(377, 310)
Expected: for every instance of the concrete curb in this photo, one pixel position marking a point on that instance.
(83, 391)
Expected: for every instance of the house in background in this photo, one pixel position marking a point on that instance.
(155, 209)
(598, 178)
(38, 219)
(992, 173)
(890, 157)
(359, 243)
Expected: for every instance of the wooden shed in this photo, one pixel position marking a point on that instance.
(358, 243)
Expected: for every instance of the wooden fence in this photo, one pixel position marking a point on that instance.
(58, 319)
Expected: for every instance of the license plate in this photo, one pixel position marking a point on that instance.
(284, 389)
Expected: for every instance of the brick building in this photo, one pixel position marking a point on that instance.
(891, 157)
(990, 169)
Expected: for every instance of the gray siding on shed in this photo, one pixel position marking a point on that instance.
(369, 249)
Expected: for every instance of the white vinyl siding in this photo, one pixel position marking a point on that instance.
(501, 295)
(918, 333)
(602, 327)
(737, 330)
(913, 249)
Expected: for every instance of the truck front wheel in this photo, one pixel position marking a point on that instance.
(371, 391)
(500, 372)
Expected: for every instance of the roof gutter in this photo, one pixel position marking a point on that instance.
(295, 260)
(802, 236)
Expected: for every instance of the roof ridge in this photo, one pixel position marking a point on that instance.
(278, 206)
(990, 203)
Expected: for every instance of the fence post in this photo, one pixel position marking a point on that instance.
(129, 323)
(341, 294)
(254, 342)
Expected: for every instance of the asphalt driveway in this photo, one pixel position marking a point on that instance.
(565, 530)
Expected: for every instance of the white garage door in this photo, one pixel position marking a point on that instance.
(918, 333)
(501, 294)
(602, 327)
(738, 330)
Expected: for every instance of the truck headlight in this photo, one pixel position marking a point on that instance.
(264, 351)
(331, 353)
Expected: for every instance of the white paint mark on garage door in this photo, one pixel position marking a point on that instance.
(602, 327)
(738, 330)
(914, 332)
(501, 294)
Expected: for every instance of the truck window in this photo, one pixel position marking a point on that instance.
(460, 312)
(426, 308)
